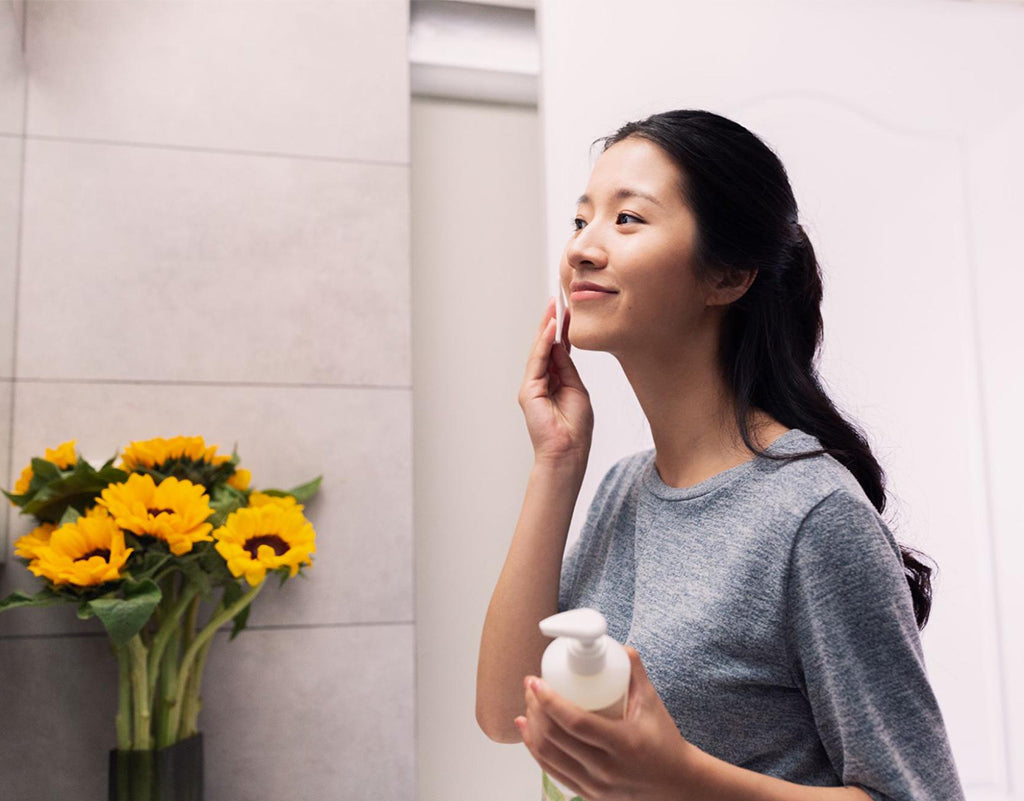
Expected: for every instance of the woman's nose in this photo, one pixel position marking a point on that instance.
(585, 249)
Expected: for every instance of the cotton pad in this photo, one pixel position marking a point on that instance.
(559, 312)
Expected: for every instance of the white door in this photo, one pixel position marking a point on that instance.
(901, 124)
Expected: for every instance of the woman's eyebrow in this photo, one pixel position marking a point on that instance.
(623, 193)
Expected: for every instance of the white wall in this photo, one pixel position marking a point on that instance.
(899, 124)
(478, 297)
(215, 240)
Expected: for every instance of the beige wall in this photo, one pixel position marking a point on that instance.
(478, 295)
(215, 240)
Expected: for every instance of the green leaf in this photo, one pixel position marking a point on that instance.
(196, 575)
(70, 516)
(45, 597)
(125, 617)
(44, 470)
(149, 562)
(239, 622)
(301, 493)
(20, 500)
(232, 592)
(304, 492)
(224, 500)
(215, 567)
(79, 488)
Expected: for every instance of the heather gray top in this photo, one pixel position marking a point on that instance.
(770, 609)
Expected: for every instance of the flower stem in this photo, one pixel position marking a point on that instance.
(193, 702)
(122, 721)
(190, 622)
(164, 634)
(218, 620)
(140, 694)
(167, 691)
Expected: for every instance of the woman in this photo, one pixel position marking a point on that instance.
(770, 617)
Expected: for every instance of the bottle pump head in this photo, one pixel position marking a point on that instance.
(585, 630)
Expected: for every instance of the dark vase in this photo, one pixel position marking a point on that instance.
(174, 773)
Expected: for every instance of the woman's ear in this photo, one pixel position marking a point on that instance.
(729, 286)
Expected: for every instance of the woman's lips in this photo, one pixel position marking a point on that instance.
(588, 294)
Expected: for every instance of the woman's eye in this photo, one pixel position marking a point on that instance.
(576, 221)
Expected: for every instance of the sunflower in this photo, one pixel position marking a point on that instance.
(240, 479)
(87, 552)
(63, 456)
(286, 502)
(182, 457)
(174, 511)
(27, 546)
(261, 538)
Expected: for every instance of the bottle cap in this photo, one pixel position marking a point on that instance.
(585, 631)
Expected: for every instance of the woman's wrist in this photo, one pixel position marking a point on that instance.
(568, 466)
(707, 778)
(693, 771)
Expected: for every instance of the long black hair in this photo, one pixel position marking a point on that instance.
(746, 219)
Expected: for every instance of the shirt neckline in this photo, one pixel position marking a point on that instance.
(653, 482)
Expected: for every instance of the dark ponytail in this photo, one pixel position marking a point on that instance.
(746, 216)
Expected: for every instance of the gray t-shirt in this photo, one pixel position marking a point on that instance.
(770, 609)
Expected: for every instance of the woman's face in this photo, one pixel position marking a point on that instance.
(640, 247)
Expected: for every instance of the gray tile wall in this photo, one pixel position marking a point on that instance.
(215, 240)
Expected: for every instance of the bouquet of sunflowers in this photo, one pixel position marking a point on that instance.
(140, 546)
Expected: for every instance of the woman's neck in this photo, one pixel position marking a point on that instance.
(692, 415)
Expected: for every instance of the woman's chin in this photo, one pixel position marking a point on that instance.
(582, 339)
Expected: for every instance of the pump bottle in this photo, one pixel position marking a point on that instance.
(587, 667)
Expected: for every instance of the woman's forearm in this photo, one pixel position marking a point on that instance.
(511, 644)
(713, 779)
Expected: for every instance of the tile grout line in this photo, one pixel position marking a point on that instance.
(78, 635)
(81, 140)
(193, 382)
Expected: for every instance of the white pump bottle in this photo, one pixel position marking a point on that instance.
(587, 667)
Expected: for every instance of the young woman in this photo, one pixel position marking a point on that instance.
(771, 618)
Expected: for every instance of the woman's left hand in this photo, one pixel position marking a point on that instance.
(642, 757)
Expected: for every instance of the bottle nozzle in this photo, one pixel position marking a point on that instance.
(585, 628)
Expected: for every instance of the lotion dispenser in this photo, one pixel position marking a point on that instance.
(587, 667)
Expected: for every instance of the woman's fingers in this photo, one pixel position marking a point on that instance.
(551, 746)
(564, 368)
(549, 312)
(537, 364)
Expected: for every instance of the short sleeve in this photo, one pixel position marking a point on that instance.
(857, 656)
(573, 555)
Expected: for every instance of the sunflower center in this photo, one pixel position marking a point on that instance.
(155, 512)
(252, 545)
(103, 552)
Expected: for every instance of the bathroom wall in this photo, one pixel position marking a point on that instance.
(479, 294)
(899, 123)
(214, 240)
(12, 129)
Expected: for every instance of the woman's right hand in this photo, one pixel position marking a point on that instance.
(557, 406)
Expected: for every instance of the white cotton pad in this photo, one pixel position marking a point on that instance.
(559, 313)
